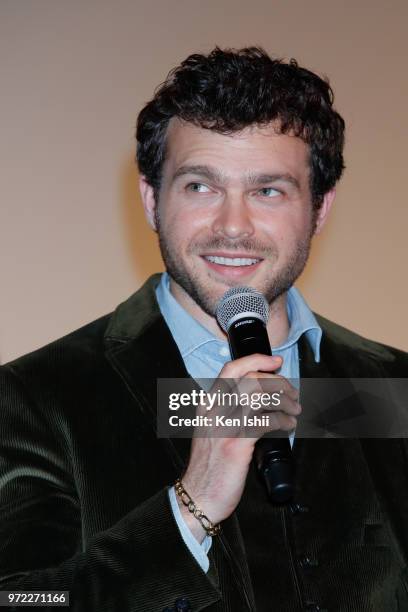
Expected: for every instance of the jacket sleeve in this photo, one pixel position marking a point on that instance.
(139, 564)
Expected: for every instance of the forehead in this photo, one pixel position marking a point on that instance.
(254, 148)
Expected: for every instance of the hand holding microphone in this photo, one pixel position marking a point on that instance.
(218, 467)
(243, 314)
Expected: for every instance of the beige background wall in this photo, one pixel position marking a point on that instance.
(73, 75)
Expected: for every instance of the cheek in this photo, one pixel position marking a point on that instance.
(286, 230)
(181, 230)
(278, 226)
(186, 223)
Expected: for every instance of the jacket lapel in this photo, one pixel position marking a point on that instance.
(141, 350)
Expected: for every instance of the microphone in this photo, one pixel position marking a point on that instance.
(243, 313)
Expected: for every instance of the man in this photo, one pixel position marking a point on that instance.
(239, 155)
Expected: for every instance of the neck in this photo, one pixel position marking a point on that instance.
(277, 327)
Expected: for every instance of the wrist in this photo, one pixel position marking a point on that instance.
(198, 522)
(194, 526)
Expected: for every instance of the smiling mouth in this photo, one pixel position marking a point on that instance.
(232, 261)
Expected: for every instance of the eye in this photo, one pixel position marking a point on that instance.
(198, 188)
(270, 192)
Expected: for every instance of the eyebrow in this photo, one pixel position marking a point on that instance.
(205, 171)
(261, 179)
(215, 176)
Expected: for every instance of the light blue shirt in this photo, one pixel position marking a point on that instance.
(204, 355)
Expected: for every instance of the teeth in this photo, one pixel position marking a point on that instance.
(232, 261)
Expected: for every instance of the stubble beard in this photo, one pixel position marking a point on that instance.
(195, 287)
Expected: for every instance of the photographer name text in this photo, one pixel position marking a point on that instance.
(220, 421)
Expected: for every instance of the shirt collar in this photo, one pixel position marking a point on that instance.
(302, 321)
(190, 335)
(187, 332)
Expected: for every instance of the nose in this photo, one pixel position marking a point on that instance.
(233, 219)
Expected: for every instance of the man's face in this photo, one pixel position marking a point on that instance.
(233, 210)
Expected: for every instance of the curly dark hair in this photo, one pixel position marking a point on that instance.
(228, 90)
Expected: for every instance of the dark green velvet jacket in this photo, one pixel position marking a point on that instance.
(83, 486)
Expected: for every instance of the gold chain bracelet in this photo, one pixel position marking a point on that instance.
(207, 525)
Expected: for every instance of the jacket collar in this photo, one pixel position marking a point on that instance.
(137, 314)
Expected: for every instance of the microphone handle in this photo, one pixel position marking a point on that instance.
(273, 456)
(248, 336)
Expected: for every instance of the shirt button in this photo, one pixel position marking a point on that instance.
(182, 605)
(306, 562)
(298, 509)
(224, 351)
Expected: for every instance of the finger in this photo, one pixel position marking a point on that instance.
(276, 422)
(269, 384)
(288, 408)
(280, 420)
(251, 363)
(275, 383)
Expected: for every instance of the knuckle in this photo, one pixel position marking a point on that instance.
(227, 367)
(252, 374)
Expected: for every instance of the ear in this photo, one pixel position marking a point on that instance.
(324, 210)
(149, 202)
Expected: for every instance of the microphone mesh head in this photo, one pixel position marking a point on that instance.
(241, 300)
